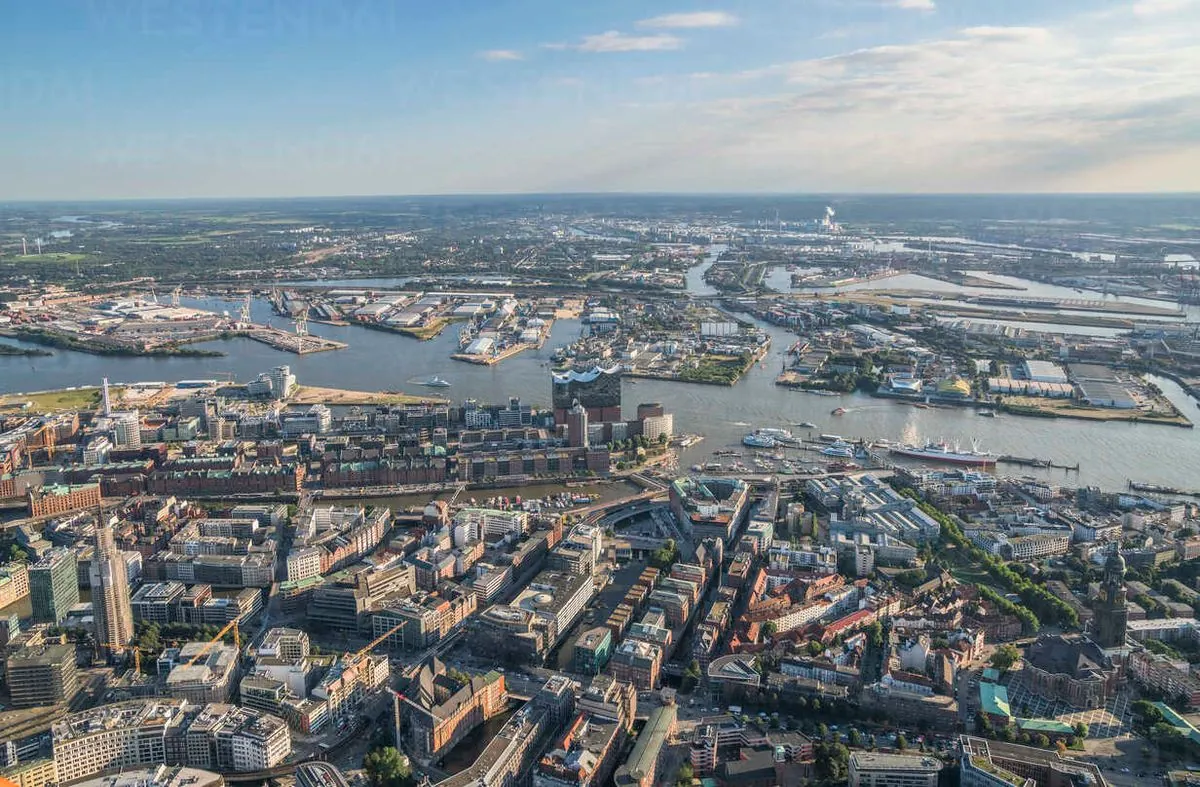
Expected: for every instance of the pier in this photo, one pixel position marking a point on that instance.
(1162, 490)
(301, 344)
(1033, 462)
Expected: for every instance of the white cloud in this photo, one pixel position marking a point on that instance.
(501, 55)
(1161, 7)
(913, 5)
(1094, 104)
(614, 41)
(695, 19)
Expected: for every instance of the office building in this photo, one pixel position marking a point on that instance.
(872, 769)
(583, 756)
(985, 763)
(157, 602)
(41, 675)
(53, 586)
(210, 679)
(154, 731)
(160, 775)
(577, 426)
(14, 583)
(31, 773)
(593, 649)
(438, 711)
(286, 644)
(637, 662)
(111, 608)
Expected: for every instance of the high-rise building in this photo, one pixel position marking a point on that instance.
(1112, 610)
(111, 608)
(282, 381)
(127, 429)
(577, 426)
(53, 586)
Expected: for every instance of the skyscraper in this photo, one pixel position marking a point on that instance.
(1112, 611)
(110, 592)
(53, 586)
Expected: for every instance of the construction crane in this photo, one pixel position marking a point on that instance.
(137, 652)
(237, 641)
(175, 293)
(371, 645)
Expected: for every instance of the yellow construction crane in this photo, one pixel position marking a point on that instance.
(137, 653)
(371, 645)
(237, 641)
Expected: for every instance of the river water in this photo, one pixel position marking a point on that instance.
(1109, 453)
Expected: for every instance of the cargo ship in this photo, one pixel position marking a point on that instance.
(941, 452)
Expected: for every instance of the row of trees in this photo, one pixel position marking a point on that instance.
(1039, 601)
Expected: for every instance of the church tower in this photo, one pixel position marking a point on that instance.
(1112, 612)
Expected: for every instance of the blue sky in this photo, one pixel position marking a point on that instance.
(180, 98)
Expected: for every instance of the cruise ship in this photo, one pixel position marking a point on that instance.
(941, 452)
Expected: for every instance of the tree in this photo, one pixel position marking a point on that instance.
(801, 704)
(855, 739)
(1060, 747)
(1081, 731)
(901, 742)
(17, 555)
(685, 774)
(387, 767)
(1005, 656)
(1041, 741)
(815, 705)
(769, 628)
(814, 647)
(822, 731)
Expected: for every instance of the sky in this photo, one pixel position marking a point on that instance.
(117, 99)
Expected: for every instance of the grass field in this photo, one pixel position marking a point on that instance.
(54, 401)
(311, 394)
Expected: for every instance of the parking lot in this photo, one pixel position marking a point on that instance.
(1108, 722)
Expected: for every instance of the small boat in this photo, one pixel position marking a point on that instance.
(435, 382)
(986, 413)
(838, 411)
(921, 406)
(806, 425)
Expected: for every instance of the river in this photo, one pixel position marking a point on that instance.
(1109, 453)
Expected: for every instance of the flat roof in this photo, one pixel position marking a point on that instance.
(862, 760)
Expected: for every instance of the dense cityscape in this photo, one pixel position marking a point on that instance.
(571, 492)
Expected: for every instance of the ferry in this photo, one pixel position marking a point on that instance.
(840, 448)
(759, 440)
(941, 452)
(435, 382)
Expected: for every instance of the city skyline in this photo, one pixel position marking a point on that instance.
(363, 98)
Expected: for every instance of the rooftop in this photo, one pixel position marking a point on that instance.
(894, 762)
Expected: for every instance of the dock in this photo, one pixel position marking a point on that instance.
(1034, 462)
(301, 344)
(1162, 490)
